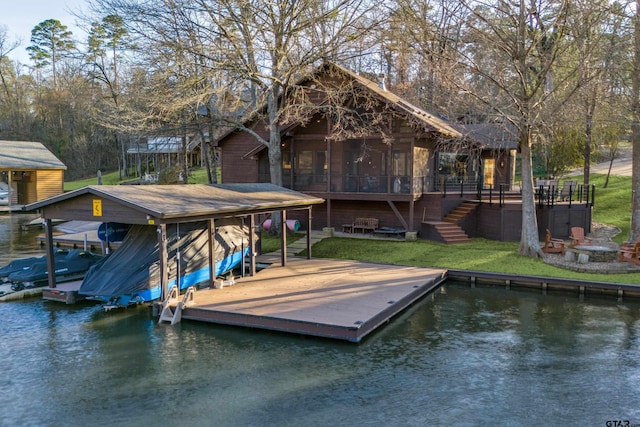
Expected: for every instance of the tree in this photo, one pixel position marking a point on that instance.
(523, 40)
(51, 42)
(241, 55)
(106, 38)
(635, 125)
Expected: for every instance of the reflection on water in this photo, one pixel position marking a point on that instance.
(460, 357)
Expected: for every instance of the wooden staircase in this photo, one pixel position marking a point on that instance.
(448, 230)
(464, 209)
(449, 233)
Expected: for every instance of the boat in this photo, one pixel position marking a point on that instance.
(70, 264)
(131, 274)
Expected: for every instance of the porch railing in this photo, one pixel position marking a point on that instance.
(544, 196)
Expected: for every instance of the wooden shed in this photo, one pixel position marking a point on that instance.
(30, 172)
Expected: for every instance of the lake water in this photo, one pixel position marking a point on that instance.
(462, 356)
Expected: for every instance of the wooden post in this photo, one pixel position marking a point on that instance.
(9, 176)
(309, 233)
(283, 237)
(211, 245)
(51, 262)
(252, 246)
(162, 254)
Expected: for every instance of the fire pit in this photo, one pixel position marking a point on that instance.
(596, 253)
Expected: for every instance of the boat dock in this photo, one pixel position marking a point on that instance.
(66, 292)
(328, 298)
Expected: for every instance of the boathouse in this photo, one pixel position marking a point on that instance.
(160, 205)
(29, 172)
(408, 170)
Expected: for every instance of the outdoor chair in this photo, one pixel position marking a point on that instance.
(552, 245)
(578, 238)
(567, 190)
(630, 252)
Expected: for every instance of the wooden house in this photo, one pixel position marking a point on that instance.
(30, 171)
(415, 169)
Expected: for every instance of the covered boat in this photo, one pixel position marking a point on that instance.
(70, 264)
(131, 274)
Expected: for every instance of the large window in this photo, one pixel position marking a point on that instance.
(452, 164)
(310, 168)
(399, 163)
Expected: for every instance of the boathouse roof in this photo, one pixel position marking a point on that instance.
(27, 155)
(157, 204)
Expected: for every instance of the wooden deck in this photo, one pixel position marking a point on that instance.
(66, 292)
(321, 297)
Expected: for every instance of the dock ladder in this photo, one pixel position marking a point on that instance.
(172, 307)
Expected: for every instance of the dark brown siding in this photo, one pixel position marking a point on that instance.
(235, 168)
(81, 208)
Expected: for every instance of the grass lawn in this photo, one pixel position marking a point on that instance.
(196, 176)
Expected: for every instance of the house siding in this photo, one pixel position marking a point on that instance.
(48, 183)
(239, 169)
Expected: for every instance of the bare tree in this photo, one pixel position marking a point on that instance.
(635, 125)
(523, 40)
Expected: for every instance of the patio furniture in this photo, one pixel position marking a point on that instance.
(552, 245)
(365, 225)
(630, 252)
(577, 237)
(567, 190)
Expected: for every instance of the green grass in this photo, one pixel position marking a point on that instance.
(110, 178)
(613, 204)
(272, 243)
(478, 255)
(196, 176)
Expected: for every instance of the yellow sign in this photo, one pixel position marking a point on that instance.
(151, 221)
(97, 207)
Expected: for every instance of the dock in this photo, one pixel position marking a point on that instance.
(66, 292)
(11, 208)
(345, 300)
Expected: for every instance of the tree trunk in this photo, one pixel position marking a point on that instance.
(529, 239)
(275, 152)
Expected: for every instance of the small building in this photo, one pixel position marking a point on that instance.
(156, 153)
(29, 172)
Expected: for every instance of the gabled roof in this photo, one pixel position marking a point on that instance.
(429, 120)
(27, 155)
(135, 204)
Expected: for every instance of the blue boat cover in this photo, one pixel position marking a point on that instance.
(135, 265)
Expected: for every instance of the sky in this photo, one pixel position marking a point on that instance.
(19, 17)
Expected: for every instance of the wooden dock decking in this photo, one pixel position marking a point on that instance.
(66, 292)
(337, 299)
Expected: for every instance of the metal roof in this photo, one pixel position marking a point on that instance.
(27, 155)
(171, 203)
